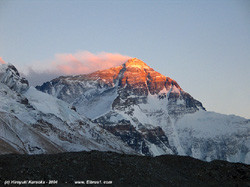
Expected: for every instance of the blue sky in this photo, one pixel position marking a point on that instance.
(203, 45)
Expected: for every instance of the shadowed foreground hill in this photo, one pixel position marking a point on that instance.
(122, 169)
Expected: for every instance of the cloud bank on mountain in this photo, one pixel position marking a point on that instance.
(72, 64)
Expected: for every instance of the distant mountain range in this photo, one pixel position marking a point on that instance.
(151, 114)
(129, 109)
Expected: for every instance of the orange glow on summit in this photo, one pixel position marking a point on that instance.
(134, 62)
(136, 75)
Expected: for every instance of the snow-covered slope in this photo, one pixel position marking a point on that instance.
(10, 77)
(34, 122)
(209, 136)
(152, 114)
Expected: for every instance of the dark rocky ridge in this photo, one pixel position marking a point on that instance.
(123, 169)
(137, 139)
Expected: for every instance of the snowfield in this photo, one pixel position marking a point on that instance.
(34, 122)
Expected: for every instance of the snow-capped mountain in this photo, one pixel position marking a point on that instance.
(34, 122)
(152, 114)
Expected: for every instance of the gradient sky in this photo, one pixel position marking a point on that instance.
(203, 45)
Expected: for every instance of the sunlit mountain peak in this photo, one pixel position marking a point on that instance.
(135, 62)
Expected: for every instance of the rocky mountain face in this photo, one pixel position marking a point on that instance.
(11, 78)
(134, 78)
(33, 122)
(152, 114)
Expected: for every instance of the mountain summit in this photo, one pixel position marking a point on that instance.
(135, 62)
(152, 114)
(137, 76)
(134, 77)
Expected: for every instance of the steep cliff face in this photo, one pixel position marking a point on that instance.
(33, 122)
(10, 77)
(148, 111)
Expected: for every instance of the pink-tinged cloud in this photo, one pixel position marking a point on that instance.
(86, 62)
(2, 61)
(72, 64)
